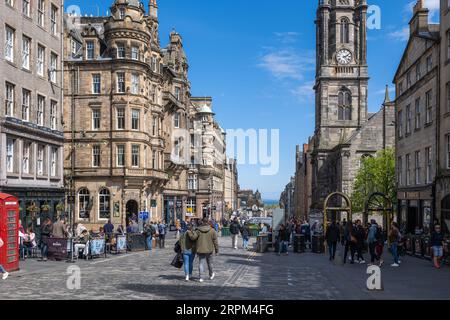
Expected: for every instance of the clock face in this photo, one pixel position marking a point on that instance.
(344, 56)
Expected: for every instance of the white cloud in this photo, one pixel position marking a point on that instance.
(432, 5)
(286, 63)
(304, 92)
(287, 37)
(402, 35)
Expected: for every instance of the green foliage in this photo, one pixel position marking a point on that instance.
(377, 174)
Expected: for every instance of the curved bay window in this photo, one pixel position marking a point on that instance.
(104, 204)
(83, 203)
(345, 30)
(345, 105)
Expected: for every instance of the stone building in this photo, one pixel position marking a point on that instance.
(176, 105)
(287, 199)
(208, 159)
(417, 118)
(113, 114)
(231, 186)
(302, 186)
(31, 138)
(345, 131)
(443, 178)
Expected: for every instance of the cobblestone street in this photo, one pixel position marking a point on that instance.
(240, 275)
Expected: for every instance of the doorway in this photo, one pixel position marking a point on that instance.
(132, 209)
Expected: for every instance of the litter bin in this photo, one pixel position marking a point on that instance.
(317, 244)
(262, 243)
(299, 243)
(226, 232)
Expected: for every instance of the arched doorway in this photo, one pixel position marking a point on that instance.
(336, 211)
(132, 210)
(379, 203)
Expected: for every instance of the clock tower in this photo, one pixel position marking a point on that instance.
(341, 84)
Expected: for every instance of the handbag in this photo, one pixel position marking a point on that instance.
(353, 239)
(177, 261)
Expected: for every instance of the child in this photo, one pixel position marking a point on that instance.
(2, 270)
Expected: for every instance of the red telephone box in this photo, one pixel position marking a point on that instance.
(9, 232)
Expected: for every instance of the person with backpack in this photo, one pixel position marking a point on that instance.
(162, 228)
(234, 230)
(149, 233)
(207, 244)
(245, 232)
(373, 238)
(4, 273)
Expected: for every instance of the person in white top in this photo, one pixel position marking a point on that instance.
(4, 273)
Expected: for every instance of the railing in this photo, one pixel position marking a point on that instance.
(344, 70)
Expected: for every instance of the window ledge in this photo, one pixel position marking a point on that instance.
(428, 124)
(12, 175)
(447, 114)
(27, 176)
(41, 178)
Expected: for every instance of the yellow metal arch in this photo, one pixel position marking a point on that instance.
(347, 208)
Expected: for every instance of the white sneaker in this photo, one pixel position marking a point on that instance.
(5, 275)
(201, 280)
(395, 265)
(187, 278)
(399, 262)
(212, 277)
(363, 261)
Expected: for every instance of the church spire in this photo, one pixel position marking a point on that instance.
(387, 98)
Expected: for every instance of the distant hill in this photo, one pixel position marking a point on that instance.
(269, 203)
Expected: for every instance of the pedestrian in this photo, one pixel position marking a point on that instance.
(149, 233)
(332, 236)
(188, 249)
(120, 230)
(379, 247)
(437, 243)
(46, 232)
(108, 228)
(206, 245)
(350, 242)
(162, 234)
(360, 237)
(4, 273)
(59, 229)
(372, 240)
(283, 240)
(234, 230)
(245, 233)
(394, 239)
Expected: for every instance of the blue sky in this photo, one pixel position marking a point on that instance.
(256, 58)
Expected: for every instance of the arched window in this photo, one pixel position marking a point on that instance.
(345, 105)
(345, 30)
(104, 204)
(83, 203)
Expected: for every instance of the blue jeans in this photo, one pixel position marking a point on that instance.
(283, 247)
(394, 251)
(245, 241)
(2, 270)
(188, 258)
(149, 243)
(44, 250)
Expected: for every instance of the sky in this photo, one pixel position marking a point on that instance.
(256, 59)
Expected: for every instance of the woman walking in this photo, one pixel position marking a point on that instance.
(245, 232)
(350, 242)
(188, 249)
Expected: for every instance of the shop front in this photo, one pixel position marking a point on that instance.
(173, 209)
(36, 205)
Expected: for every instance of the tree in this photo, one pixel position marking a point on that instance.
(377, 174)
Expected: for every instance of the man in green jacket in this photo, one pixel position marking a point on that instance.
(207, 244)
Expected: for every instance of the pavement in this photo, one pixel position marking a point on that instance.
(239, 275)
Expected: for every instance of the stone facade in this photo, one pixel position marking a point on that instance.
(417, 118)
(443, 178)
(31, 138)
(303, 175)
(345, 131)
(231, 186)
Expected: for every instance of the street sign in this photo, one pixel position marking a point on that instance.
(143, 215)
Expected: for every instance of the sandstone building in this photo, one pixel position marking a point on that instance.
(31, 75)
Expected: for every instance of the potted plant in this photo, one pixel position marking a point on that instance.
(33, 209)
(60, 207)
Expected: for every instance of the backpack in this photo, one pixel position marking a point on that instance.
(177, 247)
(378, 234)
